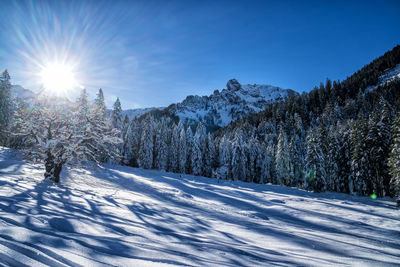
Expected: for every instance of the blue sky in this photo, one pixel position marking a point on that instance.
(154, 53)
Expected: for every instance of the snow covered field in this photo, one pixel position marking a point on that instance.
(132, 217)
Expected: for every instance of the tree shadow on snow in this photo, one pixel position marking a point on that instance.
(58, 217)
(260, 254)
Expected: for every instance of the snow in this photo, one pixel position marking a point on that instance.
(386, 77)
(122, 216)
(390, 75)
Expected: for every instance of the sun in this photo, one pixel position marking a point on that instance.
(58, 78)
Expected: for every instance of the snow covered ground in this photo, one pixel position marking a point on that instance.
(132, 217)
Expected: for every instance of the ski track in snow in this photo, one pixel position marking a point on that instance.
(122, 216)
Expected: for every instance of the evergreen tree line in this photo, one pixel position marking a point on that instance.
(360, 156)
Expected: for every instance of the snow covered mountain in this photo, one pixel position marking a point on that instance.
(230, 104)
(123, 216)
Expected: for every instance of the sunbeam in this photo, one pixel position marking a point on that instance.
(58, 78)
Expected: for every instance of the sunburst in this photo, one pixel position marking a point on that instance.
(58, 78)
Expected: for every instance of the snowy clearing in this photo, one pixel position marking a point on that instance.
(124, 216)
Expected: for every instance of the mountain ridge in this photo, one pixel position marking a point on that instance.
(231, 103)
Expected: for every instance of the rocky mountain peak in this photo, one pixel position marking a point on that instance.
(233, 85)
(227, 105)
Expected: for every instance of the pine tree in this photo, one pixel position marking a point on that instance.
(116, 115)
(386, 116)
(268, 165)
(394, 158)
(82, 108)
(199, 144)
(126, 142)
(83, 131)
(259, 163)
(252, 160)
(296, 159)
(341, 154)
(181, 148)
(21, 112)
(239, 158)
(104, 134)
(209, 163)
(297, 152)
(189, 151)
(316, 159)
(134, 137)
(282, 159)
(5, 105)
(161, 145)
(100, 109)
(173, 156)
(378, 140)
(201, 136)
(224, 170)
(125, 125)
(360, 157)
(146, 145)
(196, 157)
(331, 161)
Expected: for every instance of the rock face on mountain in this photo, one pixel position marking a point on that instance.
(230, 104)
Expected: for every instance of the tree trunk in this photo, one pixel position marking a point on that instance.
(57, 171)
(49, 165)
(53, 167)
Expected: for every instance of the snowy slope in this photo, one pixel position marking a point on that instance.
(232, 103)
(388, 76)
(136, 112)
(121, 216)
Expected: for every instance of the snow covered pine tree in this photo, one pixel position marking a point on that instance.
(5, 105)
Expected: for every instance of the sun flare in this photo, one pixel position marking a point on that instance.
(58, 78)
